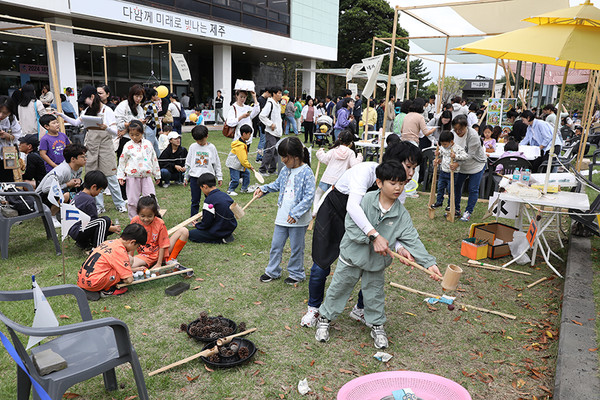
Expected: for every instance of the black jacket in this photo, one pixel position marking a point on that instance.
(169, 160)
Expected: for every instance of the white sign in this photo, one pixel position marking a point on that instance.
(400, 82)
(503, 209)
(353, 88)
(155, 18)
(182, 66)
(480, 85)
(372, 66)
(353, 71)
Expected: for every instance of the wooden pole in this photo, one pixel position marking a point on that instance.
(478, 264)
(53, 74)
(414, 264)
(588, 122)
(495, 76)
(588, 96)
(105, 65)
(441, 87)
(366, 127)
(509, 90)
(387, 89)
(540, 93)
(464, 3)
(432, 196)
(537, 282)
(408, 77)
(170, 69)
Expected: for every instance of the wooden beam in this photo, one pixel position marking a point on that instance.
(406, 52)
(441, 87)
(16, 28)
(452, 4)
(53, 75)
(137, 44)
(105, 66)
(495, 75)
(387, 89)
(443, 36)
(170, 69)
(408, 77)
(421, 20)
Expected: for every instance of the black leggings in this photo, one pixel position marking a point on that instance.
(309, 128)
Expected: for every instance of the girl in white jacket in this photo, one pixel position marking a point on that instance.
(338, 159)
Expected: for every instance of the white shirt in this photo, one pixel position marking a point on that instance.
(234, 113)
(355, 182)
(175, 107)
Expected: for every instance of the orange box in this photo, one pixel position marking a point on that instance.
(474, 251)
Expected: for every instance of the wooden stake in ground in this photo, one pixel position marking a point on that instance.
(203, 353)
(477, 264)
(450, 215)
(466, 306)
(432, 194)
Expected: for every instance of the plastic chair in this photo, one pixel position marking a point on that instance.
(585, 223)
(40, 211)
(91, 347)
(509, 164)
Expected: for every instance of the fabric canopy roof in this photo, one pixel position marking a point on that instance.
(342, 72)
(554, 74)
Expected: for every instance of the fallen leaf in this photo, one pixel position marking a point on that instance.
(549, 334)
(257, 303)
(325, 388)
(256, 372)
(261, 382)
(281, 396)
(346, 371)
(144, 334)
(200, 279)
(545, 389)
(69, 395)
(288, 328)
(594, 349)
(259, 362)
(63, 316)
(190, 379)
(208, 369)
(509, 338)
(196, 288)
(127, 307)
(220, 284)
(457, 318)
(105, 310)
(313, 362)
(409, 313)
(577, 322)
(131, 398)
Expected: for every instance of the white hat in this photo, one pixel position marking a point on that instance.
(173, 135)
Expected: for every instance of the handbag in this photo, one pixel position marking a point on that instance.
(168, 118)
(229, 131)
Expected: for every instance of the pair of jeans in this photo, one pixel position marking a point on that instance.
(316, 287)
(296, 263)
(443, 185)
(291, 124)
(235, 179)
(150, 134)
(177, 125)
(115, 192)
(166, 176)
(196, 194)
(261, 142)
(309, 128)
(336, 133)
(474, 182)
(269, 162)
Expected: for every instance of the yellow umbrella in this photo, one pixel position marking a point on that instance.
(568, 37)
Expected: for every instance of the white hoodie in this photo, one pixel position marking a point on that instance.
(457, 109)
(338, 160)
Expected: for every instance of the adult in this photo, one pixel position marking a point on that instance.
(391, 114)
(380, 114)
(241, 114)
(346, 93)
(550, 112)
(67, 107)
(329, 105)
(430, 108)
(519, 129)
(472, 114)
(472, 167)
(539, 133)
(271, 118)
(151, 118)
(219, 108)
(459, 107)
(308, 119)
(344, 116)
(290, 117)
(104, 94)
(369, 116)
(298, 112)
(29, 112)
(262, 100)
(414, 128)
(442, 123)
(172, 161)
(185, 101)
(99, 143)
(399, 118)
(358, 108)
(285, 98)
(176, 110)
(10, 132)
(46, 97)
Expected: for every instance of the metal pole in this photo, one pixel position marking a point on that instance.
(387, 89)
(541, 91)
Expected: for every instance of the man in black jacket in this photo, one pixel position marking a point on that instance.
(172, 160)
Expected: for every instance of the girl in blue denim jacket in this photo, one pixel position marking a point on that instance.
(296, 186)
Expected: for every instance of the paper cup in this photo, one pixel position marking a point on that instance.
(451, 277)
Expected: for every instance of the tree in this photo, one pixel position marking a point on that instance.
(418, 72)
(452, 87)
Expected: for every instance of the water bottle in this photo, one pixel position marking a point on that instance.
(516, 175)
(526, 177)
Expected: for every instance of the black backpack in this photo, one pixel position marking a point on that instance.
(22, 204)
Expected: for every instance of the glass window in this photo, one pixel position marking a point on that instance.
(280, 5)
(254, 21)
(83, 64)
(230, 15)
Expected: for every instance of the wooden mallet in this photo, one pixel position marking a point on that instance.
(184, 223)
(203, 353)
(414, 264)
(450, 215)
(238, 211)
(432, 194)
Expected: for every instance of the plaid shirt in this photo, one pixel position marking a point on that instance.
(151, 114)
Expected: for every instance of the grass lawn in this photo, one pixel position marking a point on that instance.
(492, 357)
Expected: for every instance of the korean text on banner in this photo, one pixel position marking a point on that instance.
(372, 66)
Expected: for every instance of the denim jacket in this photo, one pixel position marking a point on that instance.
(304, 189)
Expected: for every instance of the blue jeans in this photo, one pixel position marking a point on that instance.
(474, 182)
(316, 287)
(291, 124)
(443, 185)
(261, 142)
(336, 132)
(235, 179)
(166, 176)
(196, 194)
(150, 134)
(115, 191)
(296, 263)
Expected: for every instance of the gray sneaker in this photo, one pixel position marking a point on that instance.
(379, 336)
(358, 314)
(322, 332)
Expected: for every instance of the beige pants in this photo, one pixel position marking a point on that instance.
(100, 154)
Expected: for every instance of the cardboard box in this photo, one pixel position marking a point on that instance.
(470, 249)
(492, 231)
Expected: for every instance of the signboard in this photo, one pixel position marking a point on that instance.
(497, 110)
(208, 115)
(182, 66)
(503, 209)
(532, 232)
(33, 69)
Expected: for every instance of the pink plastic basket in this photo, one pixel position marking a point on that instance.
(382, 384)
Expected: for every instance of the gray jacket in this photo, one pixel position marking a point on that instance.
(62, 173)
(476, 158)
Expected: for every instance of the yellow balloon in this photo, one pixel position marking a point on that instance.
(323, 128)
(162, 91)
(193, 117)
(361, 123)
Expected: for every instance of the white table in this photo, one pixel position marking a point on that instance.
(576, 201)
(562, 179)
(530, 152)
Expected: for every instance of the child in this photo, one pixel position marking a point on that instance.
(338, 160)
(172, 160)
(359, 260)
(489, 143)
(296, 186)
(53, 143)
(202, 157)
(218, 221)
(99, 228)
(447, 150)
(159, 247)
(475, 127)
(163, 138)
(200, 119)
(238, 163)
(110, 263)
(137, 165)
(35, 170)
(511, 149)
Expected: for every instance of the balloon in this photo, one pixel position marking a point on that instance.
(323, 128)
(193, 117)
(162, 91)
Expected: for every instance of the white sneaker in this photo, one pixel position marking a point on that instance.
(56, 222)
(310, 318)
(231, 193)
(379, 336)
(358, 314)
(122, 209)
(322, 332)
(107, 192)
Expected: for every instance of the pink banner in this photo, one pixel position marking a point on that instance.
(554, 75)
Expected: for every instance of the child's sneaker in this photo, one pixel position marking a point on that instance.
(358, 314)
(466, 216)
(56, 222)
(231, 193)
(379, 336)
(113, 292)
(291, 281)
(266, 278)
(322, 332)
(310, 318)
(437, 205)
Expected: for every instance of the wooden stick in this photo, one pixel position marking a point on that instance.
(184, 223)
(450, 215)
(509, 316)
(183, 271)
(414, 264)
(433, 186)
(537, 282)
(250, 202)
(494, 268)
(203, 353)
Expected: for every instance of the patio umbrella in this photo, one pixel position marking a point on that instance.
(569, 38)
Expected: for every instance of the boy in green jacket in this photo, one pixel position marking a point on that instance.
(358, 259)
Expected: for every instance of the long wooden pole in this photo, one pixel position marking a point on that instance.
(408, 77)
(387, 89)
(588, 96)
(509, 90)
(495, 75)
(366, 126)
(464, 3)
(441, 87)
(105, 65)
(53, 73)
(414, 264)
(588, 122)
(170, 69)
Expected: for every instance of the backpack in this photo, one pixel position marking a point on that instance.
(22, 204)
(182, 115)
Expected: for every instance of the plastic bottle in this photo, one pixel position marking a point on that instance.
(516, 175)
(526, 177)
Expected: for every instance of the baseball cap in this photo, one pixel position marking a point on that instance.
(173, 135)
(86, 92)
(286, 91)
(30, 139)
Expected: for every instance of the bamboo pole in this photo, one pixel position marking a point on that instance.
(466, 306)
(53, 75)
(387, 89)
(588, 122)
(105, 65)
(588, 96)
(509, 90)
(495, 76)
(170, 69)
(537, 282)
(414, 264)
(478, 264)
(366, 127)
(407, 52)
(441, 86)
(408, 77)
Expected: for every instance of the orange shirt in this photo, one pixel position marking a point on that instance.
(105, 267)
(158, 238)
